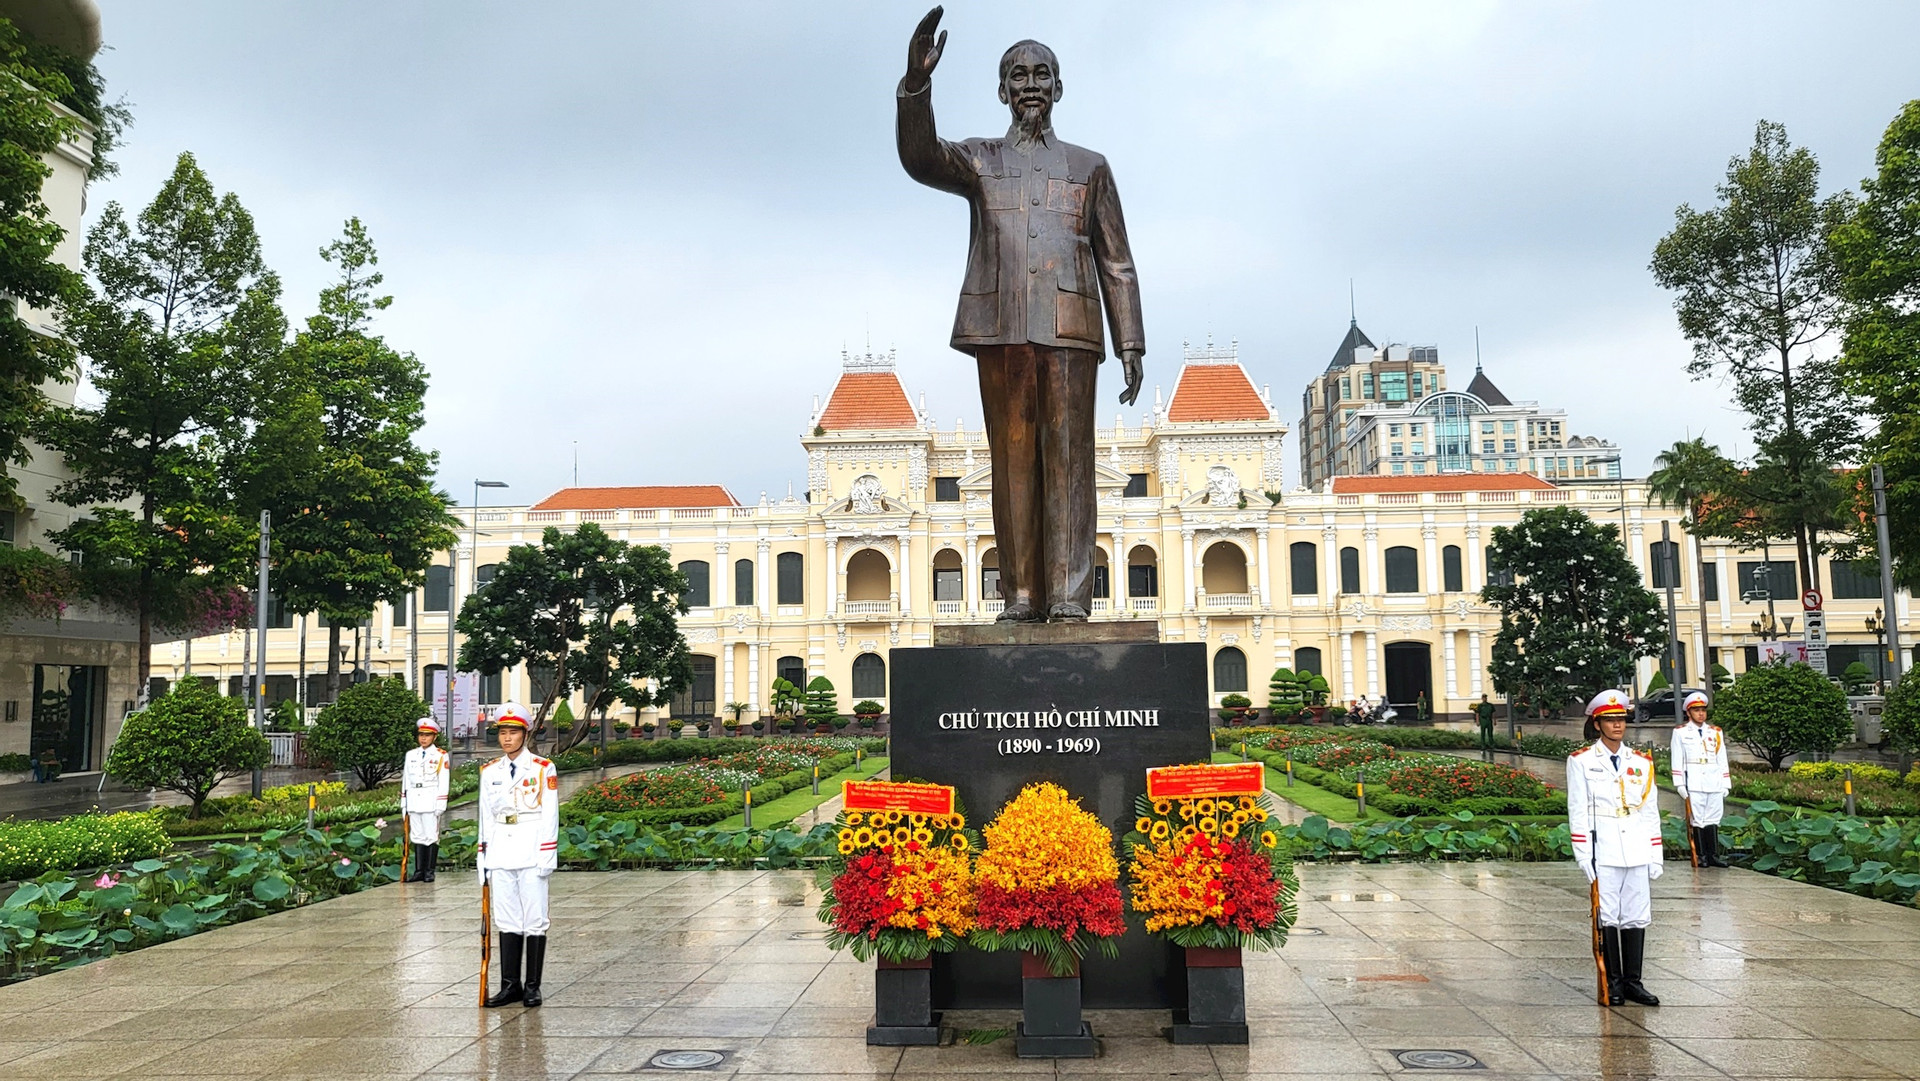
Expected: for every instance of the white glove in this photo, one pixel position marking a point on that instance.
(1656, 869)
(545, 872)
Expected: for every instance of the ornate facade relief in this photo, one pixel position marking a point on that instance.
(1406, 623)
(868, 495)
(1223, 487)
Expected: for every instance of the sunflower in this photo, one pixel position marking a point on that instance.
(1246, 803)
(923, 835)
(846, 837)
(846, 848)
(1268, 840)
(1230, 828)
(853, 818)
(1259, 814)
(939, 822)
(959, 842)
(901, 835)
(917, 820)
(1185, 835)
(1205, 806)
(1240, 818)
(1209, 824)
(1142, 824)
(958, 821)
(1186, 809)
(1162, 806)
(863, 838)
(1160, 831)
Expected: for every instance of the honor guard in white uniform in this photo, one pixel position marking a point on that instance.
(424, 780)
(1701, 776)
(519, 847)
(1613, 811)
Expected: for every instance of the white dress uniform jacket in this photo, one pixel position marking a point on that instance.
(519, 814)
(424, 779)
(1613, 809)
(1700, 759)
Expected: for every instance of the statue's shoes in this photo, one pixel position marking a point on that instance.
(1020, 612)
(1065, 612)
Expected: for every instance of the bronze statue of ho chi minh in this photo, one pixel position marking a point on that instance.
(1048, 241)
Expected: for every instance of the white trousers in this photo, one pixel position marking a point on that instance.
(424, 829)
(519, 901)
(1707, 807)
(1625, 898)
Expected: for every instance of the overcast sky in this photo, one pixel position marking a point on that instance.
(651, 227)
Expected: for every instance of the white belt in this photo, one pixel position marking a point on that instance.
(507, 819)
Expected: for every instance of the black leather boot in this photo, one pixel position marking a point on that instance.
(1610, 950)
(432, 861)
(1633, 944)
(510, 989)
(1698, 836)
(536, 960)
(419, 863)
(1711, 848)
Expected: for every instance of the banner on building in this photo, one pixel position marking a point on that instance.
(465, 720)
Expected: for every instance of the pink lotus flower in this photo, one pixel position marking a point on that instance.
(106, 881)
(379, 823)
(345, 862)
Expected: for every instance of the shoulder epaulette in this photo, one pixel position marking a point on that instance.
(1581, 751)
(539, 761)
(1648, 755)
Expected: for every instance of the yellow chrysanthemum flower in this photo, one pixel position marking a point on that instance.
(1142, 824)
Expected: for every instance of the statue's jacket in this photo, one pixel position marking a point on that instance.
(1048, 238)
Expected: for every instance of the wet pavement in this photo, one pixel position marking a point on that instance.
(1762, 978)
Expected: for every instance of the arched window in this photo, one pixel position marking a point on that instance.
(1403, 570)
(484, 574)
(1229, 670)
(1143, 572)
(696, 699)
(949, 577)
(1664, 560)
(743, 581)
(1307, 659)
(490, 687)
(869, 576)
(791, 586)
(1349, 570)
(1223, 569)
(1305, 559)
(869, 676)
(990, 573)
(1450, 569)
(1497, 577)
(1102, 577)
(698, 594)
(437, 599)
(793, 670)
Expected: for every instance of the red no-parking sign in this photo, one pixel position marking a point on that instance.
(1810, 600)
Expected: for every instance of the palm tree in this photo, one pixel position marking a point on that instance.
(1691, 474)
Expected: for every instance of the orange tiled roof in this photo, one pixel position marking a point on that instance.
(863, 400)
(1215, 392)
(1450, 482)
(646, 495)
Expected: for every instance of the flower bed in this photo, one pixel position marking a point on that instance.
(712, 789)
(1403, 784)
(1445, 782)
(29, 848)
(1821, 786)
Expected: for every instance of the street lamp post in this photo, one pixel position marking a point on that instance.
(1620, 487)
(1877, 623)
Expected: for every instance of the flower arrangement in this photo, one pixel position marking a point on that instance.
(899, 885)
(1048, 882)
(1210, 872)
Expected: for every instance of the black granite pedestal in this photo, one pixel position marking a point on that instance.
(1045, 703)
(1050, 1021)
(903, 1013)
(1215, 999)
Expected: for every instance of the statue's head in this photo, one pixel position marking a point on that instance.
(1030, 82)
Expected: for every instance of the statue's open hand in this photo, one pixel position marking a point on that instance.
(1130, 366)
(923, 53)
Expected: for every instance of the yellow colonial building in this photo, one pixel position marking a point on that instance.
(1371, 581)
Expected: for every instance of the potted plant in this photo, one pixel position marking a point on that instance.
(868, 711)
(1233, 708)
(1217, 847)
(706, 725)
(623, 729)
(732, 722)
(761, 726)
(677, 726)
(647, 728)
(822, 705)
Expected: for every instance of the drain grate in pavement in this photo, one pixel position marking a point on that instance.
(808, 936)
(1427, 1058)
(686, 1060)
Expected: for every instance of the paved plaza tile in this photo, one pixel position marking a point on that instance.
(1762, 978)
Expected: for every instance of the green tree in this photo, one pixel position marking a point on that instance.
(1878, 253)
(1779, 710)
(366, 518)
(599, 613)
(1285, 693)
(1756, 293)
(37, 81)
(1900, 720)
(187, 741)
(369, 729)
(180, 308)
(1855, 677)
(822, 703)
(785, 697)
(1573, 614)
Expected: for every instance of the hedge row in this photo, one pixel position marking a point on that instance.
(707, 814)
(630, 751)
(1401, 806)
(28, 849)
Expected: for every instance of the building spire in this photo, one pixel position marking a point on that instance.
(1353, 311)
(1476, 350)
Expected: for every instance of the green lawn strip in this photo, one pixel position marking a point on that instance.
(1336, 808)
(801, 800)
